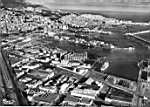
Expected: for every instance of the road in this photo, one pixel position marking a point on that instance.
(1, 90)
(68, 72)
(9, 83)
(139, 90)
(6, 80)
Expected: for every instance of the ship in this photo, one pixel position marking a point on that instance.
(108, 47)
(105, 66)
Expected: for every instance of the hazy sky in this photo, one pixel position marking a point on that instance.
(110, 5)
(97, 2)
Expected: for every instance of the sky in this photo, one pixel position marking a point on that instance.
(111, 5)
(97, 2)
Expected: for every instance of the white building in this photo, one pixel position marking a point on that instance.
(84, 93)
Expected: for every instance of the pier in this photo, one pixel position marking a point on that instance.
(134, 35)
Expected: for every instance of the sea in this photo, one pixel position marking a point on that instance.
(124, 63)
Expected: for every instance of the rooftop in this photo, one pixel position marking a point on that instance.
(48, 97)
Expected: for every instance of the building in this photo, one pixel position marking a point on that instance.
(47, 97)
(119, 102)
(117, 96)
(40, 74)
(67, 63)
(20, 74)
(25, 80)
(34, 84)
(48, 89)
(32, 65)
(76, 56)
(89, 81)
(84, 93)
(72, 101)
